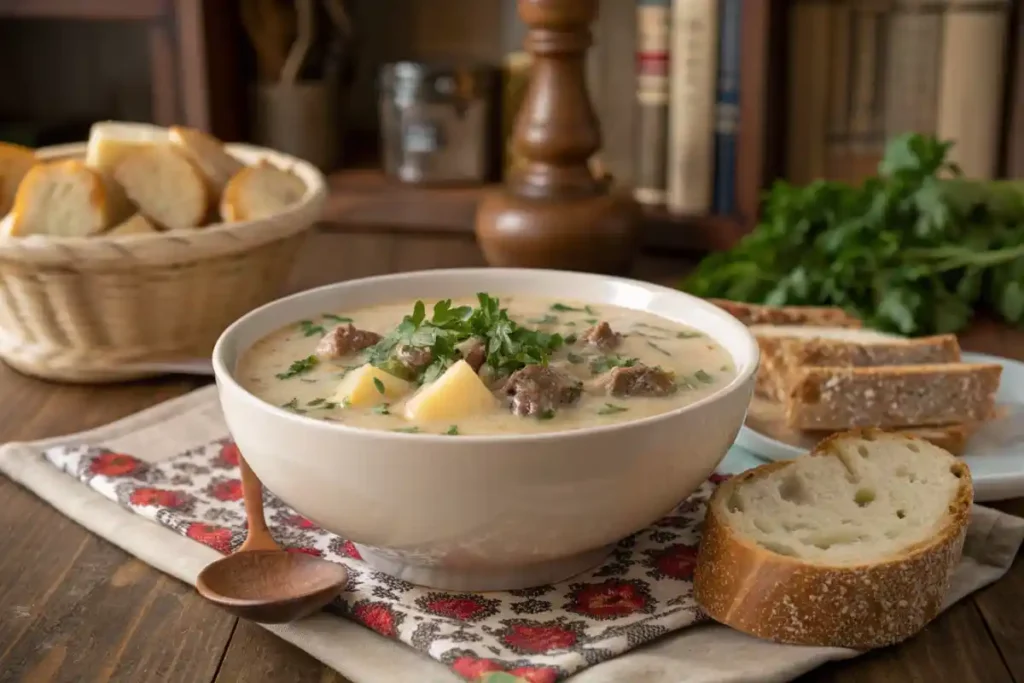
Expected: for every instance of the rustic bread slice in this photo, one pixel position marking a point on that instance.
(793, 352)
(851, 546)
(259, 191)
(63, 198)
(136, 225)
(952, 438)
(110, 141)
(892, 396)
(164, 185)
(208, 155)
(15, 161)
(770, 339)
(818, 316)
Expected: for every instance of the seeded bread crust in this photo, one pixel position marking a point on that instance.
(892, 396)
(789, 600)
(817, 352)
(816, 316)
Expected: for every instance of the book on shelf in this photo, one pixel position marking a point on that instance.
(809, 75)
(913, 53)
(971, 82)
(727, 107)
(693, 73)
(654, 32)
(1014, 161)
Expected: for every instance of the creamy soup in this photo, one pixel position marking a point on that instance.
(477, 366)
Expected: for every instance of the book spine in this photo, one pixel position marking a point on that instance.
(727, 108)
(970, 83)
(1015, 133)
(866, 140)
(654, 22)
(809, 77)
(912, 69)
(693, 69)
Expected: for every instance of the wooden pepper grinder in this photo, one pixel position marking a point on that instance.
(552, 212)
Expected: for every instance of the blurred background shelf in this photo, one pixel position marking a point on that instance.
(364, 200)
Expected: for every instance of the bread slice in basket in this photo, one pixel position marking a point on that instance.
(15, 162)
(258, 192)
(208, 155)
(165, 185)
(851, 546)
(892, 396)
(66, 199)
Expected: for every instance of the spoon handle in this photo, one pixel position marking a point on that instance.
(258, 536)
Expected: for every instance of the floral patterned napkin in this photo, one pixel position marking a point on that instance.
(540, 635)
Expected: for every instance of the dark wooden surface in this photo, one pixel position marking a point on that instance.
(74, 608)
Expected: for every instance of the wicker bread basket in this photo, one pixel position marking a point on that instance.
(99, 309)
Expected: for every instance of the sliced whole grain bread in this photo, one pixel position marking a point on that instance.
(758, 314)
(891, 396)
(851, 546)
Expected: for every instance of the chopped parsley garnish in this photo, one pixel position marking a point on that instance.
(611, 409)
(336, 318)
(688, 335)
(307, 381)
(571, 323)
(575, 358)
(453, 431)
(590, 321)
(606, 363)
(546, 415)
(382, 409)
(309, 328)
(571, 338)
(407, 430)
(293, 405)
(703, 377)
(658, 348)
(562, 308)
(653, 327)
(322, 403)
(509, 346)
(546, 320)
(317, 401)
(378, 385)
(346, 402)
(299, 367)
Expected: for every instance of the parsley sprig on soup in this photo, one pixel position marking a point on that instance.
(521, 365)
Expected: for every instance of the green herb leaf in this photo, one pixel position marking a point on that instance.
(571, 338)
(293, 405)
(688, 335)
(575, 358)
(301, 366)
(336, 318)
(562, 308)
(407, 430)
(546, 415)
(658, 348)
(316, 401)
(611, 409)
(606, 363)
(382, 409)
(590, 321)
(379, 385)
(703, 377)
(453, 430)
(310, 328)
(546, 320)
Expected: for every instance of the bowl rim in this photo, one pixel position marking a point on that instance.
(227, 382)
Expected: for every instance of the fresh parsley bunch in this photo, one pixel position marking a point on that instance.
(915, 249)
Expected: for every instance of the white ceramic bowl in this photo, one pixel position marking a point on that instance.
(486, 512)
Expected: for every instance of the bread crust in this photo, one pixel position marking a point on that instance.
(15, 162)
(208, 155)
(790, 600)
(90, 217)
(811, 316)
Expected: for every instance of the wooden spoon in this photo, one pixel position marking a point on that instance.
(262, 582)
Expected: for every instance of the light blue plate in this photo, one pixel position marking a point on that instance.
(995, 452)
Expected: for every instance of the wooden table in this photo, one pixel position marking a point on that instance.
(75, 608)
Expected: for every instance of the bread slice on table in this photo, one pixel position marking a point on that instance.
(63, 199)
(772, 338)
(136, 225)
(758, 314)
(208, 155)
(164, 185)
(259, 191)
(892, 396)
(851, 546)
(15, 161)
(111, 141)
(794, 352)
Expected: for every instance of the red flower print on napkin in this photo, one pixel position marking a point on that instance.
(609, 599)
(111, 464)
(464, 606)
(226, 489)
(532, 637)
(472, 668)
(217, 537)
(536, 674)
(299, 522)
(476, 669)
(228, 455)
(154, 497)
(306, 551)
(379, 616)
(674, 562)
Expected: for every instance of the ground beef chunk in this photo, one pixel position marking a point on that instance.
(637, 380)
(473, 352)
(345, 339)
(602, 336)
(537, 390)
(414, 358)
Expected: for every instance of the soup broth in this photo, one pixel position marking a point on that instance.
(528, 365)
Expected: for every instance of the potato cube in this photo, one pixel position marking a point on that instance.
(368, 385)
(455, 395)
